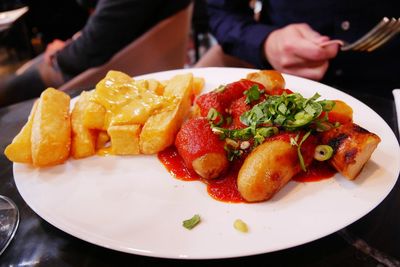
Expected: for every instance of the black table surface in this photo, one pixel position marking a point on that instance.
(374, 240)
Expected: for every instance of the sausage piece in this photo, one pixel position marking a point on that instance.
(201, 149)
(352, 147)
(221, 98)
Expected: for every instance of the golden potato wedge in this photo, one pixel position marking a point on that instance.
(124, 139)
(152, 85)
(341, 112)
(20, 148)
(94, 116)
(83, 142)
(51, 129)
(271, 79)
(198, 85)
(102, 139)
(267, 169)
(160, 129)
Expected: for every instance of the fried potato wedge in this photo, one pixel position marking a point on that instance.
(160, 129)
(271, 79)
(198, 85)
(51, 129)
(124, 139)
(152, 85)
(83, 142)
(341, 112)
(94, 116)
(20, 148)
(267, 169)
(102, 139)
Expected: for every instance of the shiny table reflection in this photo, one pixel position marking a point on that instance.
(374, 240)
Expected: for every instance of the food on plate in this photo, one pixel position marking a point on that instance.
(94, 115)
(45, 139)
(83, 139)
(159, 130)
(341, 112)
(241, 226)
(198, 84)
(20, 148)
(270, 134)
(121, 116)
(272, 165)
(201, 149)
(51, 129)
(124, 139)
(192, 222)
(270, 79)
(352, 147)
(102, 139)
(140, 117)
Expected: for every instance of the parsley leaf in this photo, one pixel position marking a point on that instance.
(252, 94)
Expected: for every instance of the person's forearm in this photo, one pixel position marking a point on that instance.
(113, 25)
(233, 25)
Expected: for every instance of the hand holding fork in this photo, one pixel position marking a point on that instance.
(382, 33)
(297, 49)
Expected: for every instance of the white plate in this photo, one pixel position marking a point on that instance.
(132, 204)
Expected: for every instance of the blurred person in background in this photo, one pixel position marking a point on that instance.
(286, 35)
(6, 5)
(113, 25)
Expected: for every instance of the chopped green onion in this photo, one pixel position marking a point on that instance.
(301, 159)
(293, 141)
(232, 153)
(192, 222)
(327, 105)
(264, 132)
(323, 152)
(220, 89)
(214, 116)
(241, 226)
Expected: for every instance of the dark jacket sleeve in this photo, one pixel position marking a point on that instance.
(113, 25)
(233, 25)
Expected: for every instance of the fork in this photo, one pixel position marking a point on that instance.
(383, 32)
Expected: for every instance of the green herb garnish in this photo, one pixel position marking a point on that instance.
(252, 94)
(291, 111)
(293, 142)
(215, 117)
(232, 153)
(192, 222)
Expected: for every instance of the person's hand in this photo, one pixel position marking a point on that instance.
(52, 48)
(295, 49)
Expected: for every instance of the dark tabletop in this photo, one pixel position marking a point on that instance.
(374, 240)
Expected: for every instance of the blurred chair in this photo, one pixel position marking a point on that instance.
(163, 47)
(215, 57)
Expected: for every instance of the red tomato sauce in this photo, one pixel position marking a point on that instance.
(317, 171)
(225, 188)
(175, 164)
